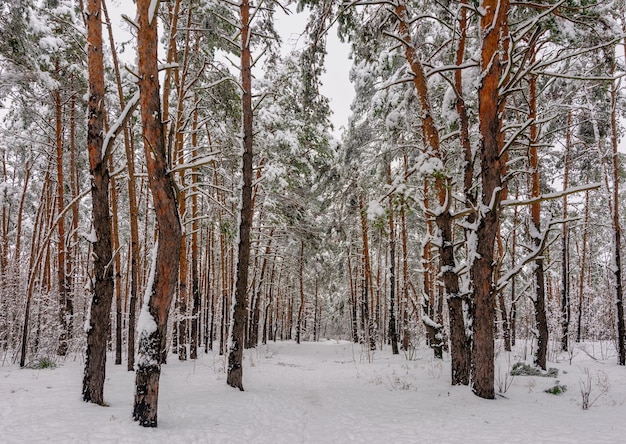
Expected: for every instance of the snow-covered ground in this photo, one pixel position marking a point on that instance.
(327, 392)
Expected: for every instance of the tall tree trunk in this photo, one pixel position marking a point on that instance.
(17, 253)
(73, 255)
(353, 301)
(36, 250)
(254, 324)
(367, 327)
(514, 296)
(267, 322)
(100, 308)
(196, 297)
(238, 325)
(504, 315)
(583, 269)
(164, 273)
(443, 218)
(317, 314)
(301, 307)
(393, 334)
(434, 329)
(178, 136)
(4, 233)
(64, 296)
(226, 299)
(132, 204)
(617, 230)
(183, 293)
(115, 245)
(461, 339)
(493, 24)
(565, 281)
(406, 331)
(538, 298)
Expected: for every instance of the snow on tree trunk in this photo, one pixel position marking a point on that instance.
(239, 311)
(443, 219)
(617, 230)
(100, 308)
(64, 291)
(565, 268)
(160, 289)
(539, 297)
(393, 332)
(493, 23)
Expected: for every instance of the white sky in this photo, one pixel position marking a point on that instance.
(335, 81)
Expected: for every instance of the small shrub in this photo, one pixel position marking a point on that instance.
(504, 379)
(522, 369)
(558, 389)
(41, 363)
(586, 387)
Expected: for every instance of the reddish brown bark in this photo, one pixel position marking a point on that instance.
(493, 24)
(152, 339)
(444, 218)
(366, 287)
(539, 297)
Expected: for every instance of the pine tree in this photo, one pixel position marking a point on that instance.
(161, 287)
(100, 307)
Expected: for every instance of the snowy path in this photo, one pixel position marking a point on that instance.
(312, 393)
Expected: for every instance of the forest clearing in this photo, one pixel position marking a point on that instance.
(322, 392)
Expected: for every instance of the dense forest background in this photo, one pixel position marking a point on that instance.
(199, 199)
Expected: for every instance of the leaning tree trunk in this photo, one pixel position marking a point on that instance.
(493, 24)
(132, 204)
(100, 309)
(238, 325)
(164, 272)
(443, 219)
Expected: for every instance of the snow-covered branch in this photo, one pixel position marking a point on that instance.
(446, 68)
(107, 145)
(550, 196)
(195, 164)
(534, 254)
(513, 138)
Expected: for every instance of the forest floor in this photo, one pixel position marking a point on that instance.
(325, 392)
